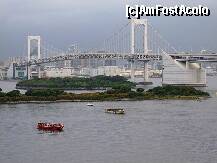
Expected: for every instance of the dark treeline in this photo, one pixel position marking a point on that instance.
(77, 83)
(116, 93)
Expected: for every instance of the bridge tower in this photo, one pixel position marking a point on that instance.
(134, 23)
(34, 53)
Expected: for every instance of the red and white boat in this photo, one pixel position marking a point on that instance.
(50, 126)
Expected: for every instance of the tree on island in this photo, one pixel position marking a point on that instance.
(140, 90)
(14, 93)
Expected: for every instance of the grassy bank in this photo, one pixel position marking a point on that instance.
(116, 94)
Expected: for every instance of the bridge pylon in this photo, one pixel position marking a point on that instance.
(134, 23)
(34, 53)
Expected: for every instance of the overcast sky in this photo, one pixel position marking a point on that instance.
(63, 22)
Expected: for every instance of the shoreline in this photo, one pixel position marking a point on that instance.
(106, 100)
(65, 89)
(118, 93)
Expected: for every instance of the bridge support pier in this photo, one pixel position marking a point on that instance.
(28, 72)
(146, 71)
(146, 74)
(14, 70)
(39, 72)
(132, 74)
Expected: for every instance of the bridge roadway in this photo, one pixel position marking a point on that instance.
(118, 56)
(195, 57)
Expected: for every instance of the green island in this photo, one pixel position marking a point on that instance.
(117, 92)
(76, 83)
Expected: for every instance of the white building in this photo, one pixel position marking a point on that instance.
(102, 70)
(125, 73)
(16, 73)
(58, 72)
(155, 73)
(111, 70)
(3, 73)
(85, 71)
(20, 72)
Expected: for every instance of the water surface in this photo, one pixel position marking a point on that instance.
(160, 131)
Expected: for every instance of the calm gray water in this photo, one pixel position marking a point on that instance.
(151, 131)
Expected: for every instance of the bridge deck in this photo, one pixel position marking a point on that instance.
(118, 56)
(195, 57)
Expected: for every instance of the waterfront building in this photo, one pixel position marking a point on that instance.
(16, 72)
(3, 73)
(20, 73)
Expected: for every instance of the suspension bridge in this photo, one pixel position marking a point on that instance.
(137, 40)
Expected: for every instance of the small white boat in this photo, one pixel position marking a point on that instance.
(89, 104)
(115, 111)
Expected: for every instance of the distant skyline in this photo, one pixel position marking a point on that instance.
(64, 22)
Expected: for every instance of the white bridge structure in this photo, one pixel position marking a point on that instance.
(137, 41)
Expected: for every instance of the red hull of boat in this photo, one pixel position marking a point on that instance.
(50, 127)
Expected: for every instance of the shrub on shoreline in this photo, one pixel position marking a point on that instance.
(43, 92)
(14, 93)
(176, 91)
